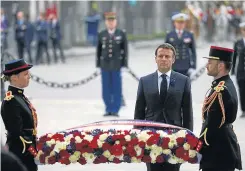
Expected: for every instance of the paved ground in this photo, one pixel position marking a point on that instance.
(60, 109)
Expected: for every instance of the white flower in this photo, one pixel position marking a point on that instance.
(68, 138)
(111, 158)
(73, 158)
(60, 146)
(127, 138)
(138, 150)
(192, 153)
(89, 157)
(180, 160)
(173, 160)
(172, 141)
(117, 142)
(181, 133)
(103, 137)
(99, 143)
(107, 154)
(50, 143)
(135, 160)
(186, 146)
(49, 135)
(143, 136)
(166, 151)
(156, 149)
(162, 133)
(153, 155)
(78, 139)
(88, 138)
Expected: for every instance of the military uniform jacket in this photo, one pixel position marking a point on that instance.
(20, 29)
(239, 55)
(19, 122)
(220, 145)
(185, 50)
(112, 50)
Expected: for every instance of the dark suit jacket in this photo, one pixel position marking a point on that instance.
(177, 109)
(239, 55)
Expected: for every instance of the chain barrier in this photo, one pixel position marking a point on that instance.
(65, 85)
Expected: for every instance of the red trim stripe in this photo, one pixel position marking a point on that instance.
(15, 69)
(221, 48)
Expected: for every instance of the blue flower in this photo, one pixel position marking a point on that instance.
(109, 140)
(127, 158)
(112, 131)
(96, 132)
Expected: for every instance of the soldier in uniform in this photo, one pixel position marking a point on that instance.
(55, 36)
(42, 38)
(239, 54)
(220, 151)
(112, 55)
(4, 31)
(18, 114)
(184, 43)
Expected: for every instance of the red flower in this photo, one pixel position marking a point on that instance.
(82, 160)
(64, 154)
(180, 141)
(106, 146)
(116, 160)
(39, 146)
(132, 153)
(123, 142)
(94, 143)
(159, 159)
(85, 143)
(64, 161)
(58, 137)
(141, 144)
(72, 140)
(165, 142)
(152, 140)
(192, 141)
(116, 150)
(79, 146)
(182, 153)
(42, 158)
(126, 132)
(146, 159)
(100, 159)
(88, 150)
(77, 133)
(52, 160)
(193, 160)
(134, 141)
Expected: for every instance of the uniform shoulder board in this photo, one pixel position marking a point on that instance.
(220, 86)
(124, 30)
(8, 96)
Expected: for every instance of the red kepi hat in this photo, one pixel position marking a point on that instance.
(220, 53)
(16, 66)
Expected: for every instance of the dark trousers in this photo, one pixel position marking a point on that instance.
(112, 90)
(241, 85)
(57, 45)
(42, 45)
(162, 167)
(28, 50)
(218, 169)
(20, 48)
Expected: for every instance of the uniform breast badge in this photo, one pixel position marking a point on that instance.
(9, 95)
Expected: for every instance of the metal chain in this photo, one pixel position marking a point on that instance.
(64, 85)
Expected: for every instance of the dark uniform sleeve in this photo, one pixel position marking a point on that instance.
(98, 51)
(193, 51)
(14, 125)
(214, 120)
(187, 106)
(167, 39)
(234, 59)
(125, 49)
(140, 105)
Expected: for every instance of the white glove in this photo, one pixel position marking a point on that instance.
(37, 162)
(191, 71)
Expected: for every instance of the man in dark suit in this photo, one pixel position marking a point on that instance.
(220, 150)
(18, 114)
(184, 43)
(55, 36)
(165, 96)
(112, 55)
(239, 57)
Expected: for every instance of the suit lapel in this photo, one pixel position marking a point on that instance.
(155, 85)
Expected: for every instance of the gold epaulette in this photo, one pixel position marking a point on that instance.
(220, 86)
(8, 95)
(205, 136)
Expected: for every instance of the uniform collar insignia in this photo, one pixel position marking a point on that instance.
(8, 96)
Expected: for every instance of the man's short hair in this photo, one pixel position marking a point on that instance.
(228, 65)
(166, 46)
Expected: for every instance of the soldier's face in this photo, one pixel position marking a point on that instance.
(164, 59)
(22, 79)
(179, 25)
(212, 67)
(111, 23)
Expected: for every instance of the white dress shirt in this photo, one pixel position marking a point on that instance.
(244, 40)
(160, 79)
(111, 31)
(179, 31)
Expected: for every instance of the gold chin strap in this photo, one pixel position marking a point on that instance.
(24, 142)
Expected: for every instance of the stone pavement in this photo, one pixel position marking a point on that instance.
(59, 109)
